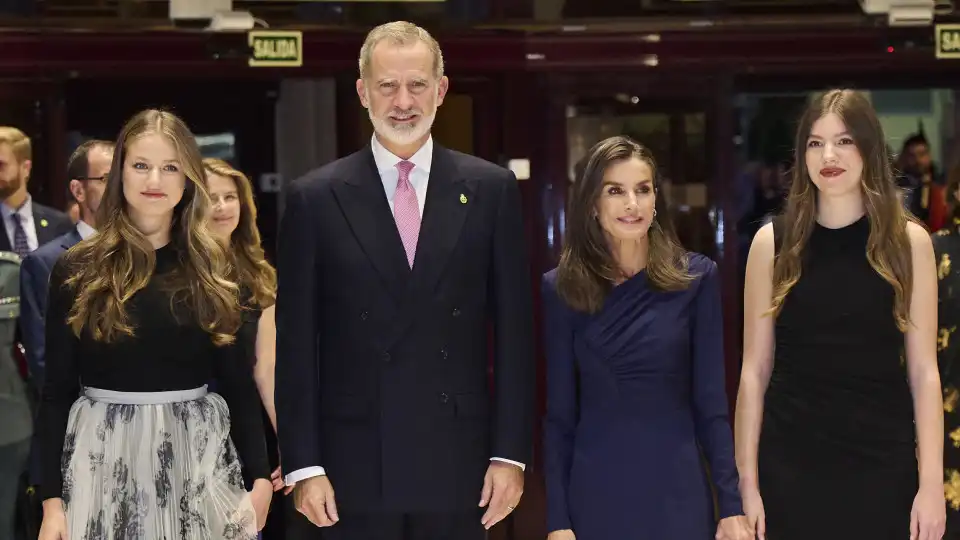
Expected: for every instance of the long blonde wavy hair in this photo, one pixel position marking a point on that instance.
(588, 270)
(117, 262)
(888, 246)
(253, 270)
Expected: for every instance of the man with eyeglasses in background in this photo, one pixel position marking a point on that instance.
(87, 169)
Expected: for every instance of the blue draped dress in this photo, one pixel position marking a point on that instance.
(637, 413)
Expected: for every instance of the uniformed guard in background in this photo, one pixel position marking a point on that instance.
(16, 414)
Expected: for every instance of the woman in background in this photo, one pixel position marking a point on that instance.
(839, 401)
(635, 377)
(946, 246)
(140, 317)
(234, 219)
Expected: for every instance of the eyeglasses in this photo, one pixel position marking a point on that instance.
(94, 178)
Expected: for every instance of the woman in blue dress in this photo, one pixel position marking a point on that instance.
(635, 375)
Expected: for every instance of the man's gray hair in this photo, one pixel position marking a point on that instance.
(400, 34)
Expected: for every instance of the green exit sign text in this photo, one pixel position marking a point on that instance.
(948, 40)
(276, 48)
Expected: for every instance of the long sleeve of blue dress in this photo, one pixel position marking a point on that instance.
(711, 416)
(561, 415)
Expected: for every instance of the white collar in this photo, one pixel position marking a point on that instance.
(25, 210)
(85, 230)
(387, 161)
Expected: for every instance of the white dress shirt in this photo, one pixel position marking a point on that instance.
(386, 163)
(85, 230)
(389, 174)
(26, 221)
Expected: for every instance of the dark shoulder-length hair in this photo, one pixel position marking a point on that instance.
(588, 270)
(888, 246)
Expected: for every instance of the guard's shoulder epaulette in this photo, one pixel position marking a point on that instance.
(9, 256)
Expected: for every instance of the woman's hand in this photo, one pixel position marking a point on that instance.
(753, 508)
(260, 496)
(276, 478)
(734, 528)
(929, 516)
(565, 534)
(54, 526)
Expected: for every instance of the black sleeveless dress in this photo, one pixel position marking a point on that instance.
(837, 456)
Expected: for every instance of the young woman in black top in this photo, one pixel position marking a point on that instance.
(140, 317)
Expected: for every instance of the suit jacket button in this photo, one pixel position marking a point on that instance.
(444, 398)
(456, 312)
(385, 356)
(363, 316)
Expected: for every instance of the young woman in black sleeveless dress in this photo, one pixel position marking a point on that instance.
(839, 421)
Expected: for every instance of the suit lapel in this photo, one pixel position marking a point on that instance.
(71, 239)
(364, 203)
(447, 204)
(41, 225)
(449, 199)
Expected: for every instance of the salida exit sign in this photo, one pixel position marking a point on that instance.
(948, 40)
(276, 48)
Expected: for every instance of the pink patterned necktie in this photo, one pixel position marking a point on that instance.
(406, 211)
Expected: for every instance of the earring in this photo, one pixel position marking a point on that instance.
(654, 212)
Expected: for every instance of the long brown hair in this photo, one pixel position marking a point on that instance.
(888, 246)
(587, 270)
(112, 265)
(253, 270)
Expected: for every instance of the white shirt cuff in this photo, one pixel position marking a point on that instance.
(510, 461)
(310, 472)
(303, 474)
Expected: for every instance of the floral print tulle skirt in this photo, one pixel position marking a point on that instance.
(153, 466)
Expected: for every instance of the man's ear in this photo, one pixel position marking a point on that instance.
(25, 167)
(362, 93)
(76, 188)
(442, 87)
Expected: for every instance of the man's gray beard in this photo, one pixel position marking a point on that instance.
(382, 127)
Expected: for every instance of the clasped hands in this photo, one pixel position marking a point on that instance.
(501, 493)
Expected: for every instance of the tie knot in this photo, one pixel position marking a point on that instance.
(405, 167)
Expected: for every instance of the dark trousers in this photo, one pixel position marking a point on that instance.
(443, 526)
(13, 462)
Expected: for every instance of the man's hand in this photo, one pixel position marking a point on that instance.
(314, 499)
(502, 489)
